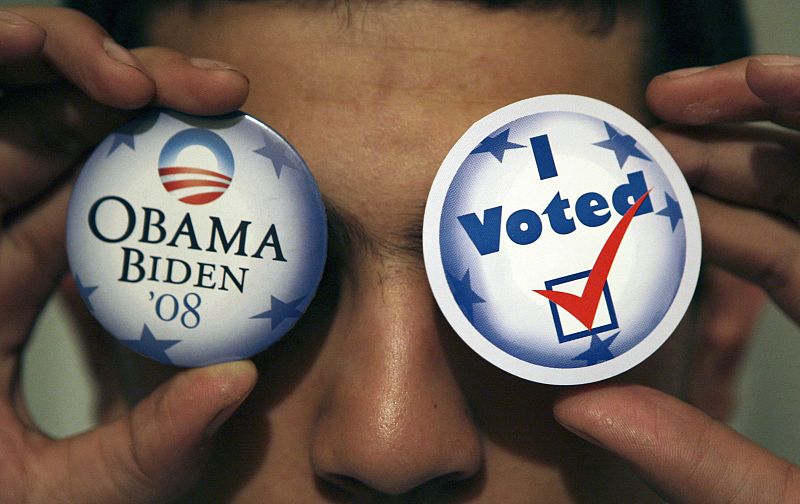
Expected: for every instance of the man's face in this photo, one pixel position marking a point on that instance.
(372, 394)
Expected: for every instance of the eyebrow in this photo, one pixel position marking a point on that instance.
(347, 236)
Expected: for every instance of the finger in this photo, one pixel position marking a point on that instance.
(83, 53)
(20, 39)
(14, 450)
(152, 455)
(776, 80)
(750, 166)
(685, 455)
(698, 96)
(43, 133)
(32, 262)
(758, 247)
(193, 85)
(729, 308)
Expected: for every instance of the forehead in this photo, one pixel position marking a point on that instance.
(374, 97)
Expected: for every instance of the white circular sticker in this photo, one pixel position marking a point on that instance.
(196, 240)
(561, 240)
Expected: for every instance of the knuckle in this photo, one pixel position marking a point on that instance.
(53, 17)
(164, 411)
(55, 125)
(785, 200)
(150, 54)
(12, 473)
(704, 169)
(695, 158)
(701, 451)
(61, 14)
(778, 274)
(134, 477)
(791, 485)
(38, 253)
(741, 489)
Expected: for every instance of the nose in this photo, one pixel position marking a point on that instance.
(395, 421)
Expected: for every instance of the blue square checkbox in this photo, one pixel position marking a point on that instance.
(574, 330)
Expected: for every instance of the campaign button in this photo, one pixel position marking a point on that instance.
(561, 240)
(196, 240)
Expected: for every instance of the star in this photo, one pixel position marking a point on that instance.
(624, 146)
(85, 292)
(463, 293)
(598, 350)
(278, 154)
(672, 210)
(280, 311)
(496, 145)
(123, 135)
(148, 345)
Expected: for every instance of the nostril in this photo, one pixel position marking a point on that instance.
(376, 470)
(337, 488)
(348, 485)
(447, 485)
(342, 488)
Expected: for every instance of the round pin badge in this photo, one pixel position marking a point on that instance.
(196, 240)
(561, 240)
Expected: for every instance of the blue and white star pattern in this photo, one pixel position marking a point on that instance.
(463, 294)
(624, 146)
(672, 210)
(124, 136)
(496, 145)
(192, 283)
(281, 311)
(85, 292)
(525, 204)
(278, 153)
(148, 345)
(598, 350)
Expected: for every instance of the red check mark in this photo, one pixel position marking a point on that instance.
(584, 307)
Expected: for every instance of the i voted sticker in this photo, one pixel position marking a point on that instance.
(561, 240)
(196, 240)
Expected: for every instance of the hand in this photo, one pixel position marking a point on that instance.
(747, 187)
(66, 85)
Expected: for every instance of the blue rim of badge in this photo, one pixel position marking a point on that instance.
(477, 133)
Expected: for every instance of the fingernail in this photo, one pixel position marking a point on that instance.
(685, 72)
(222, 417)
(583, 436)
(120, 54)
(778, 60)
(12, 19)
(209, 64)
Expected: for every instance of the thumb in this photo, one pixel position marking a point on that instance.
(686, 456)
(156, 452)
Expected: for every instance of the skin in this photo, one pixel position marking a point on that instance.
(372, 398)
